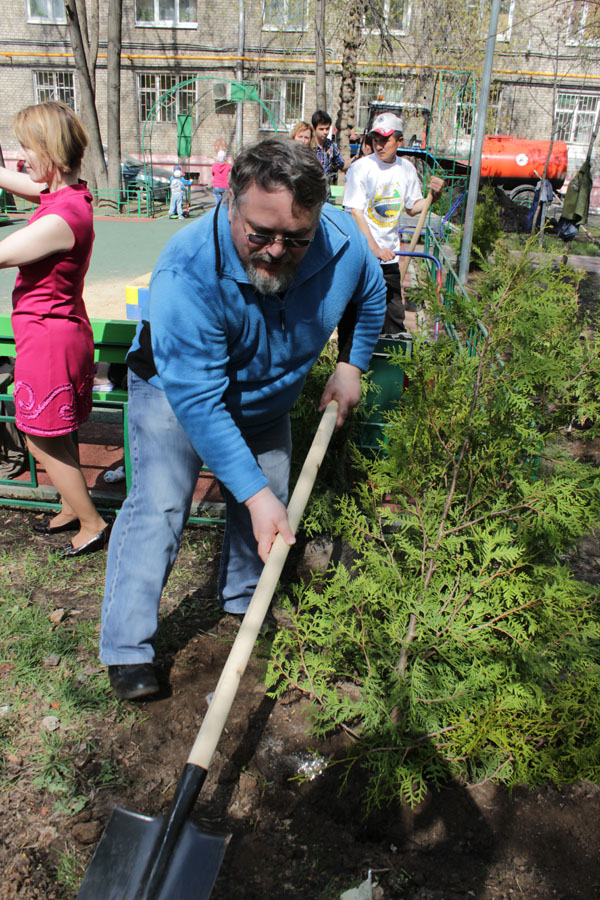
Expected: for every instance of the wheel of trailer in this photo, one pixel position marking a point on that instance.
(523, 195)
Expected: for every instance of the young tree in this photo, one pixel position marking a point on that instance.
(321, 72)
(352, 40)
(459, 644)
(113, 95)
(84, 42)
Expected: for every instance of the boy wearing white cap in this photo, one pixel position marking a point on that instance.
(379, 188)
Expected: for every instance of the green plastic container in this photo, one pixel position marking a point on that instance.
(390, 381)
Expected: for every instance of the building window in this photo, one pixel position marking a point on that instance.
(166, 13)
(482, 10)
(284, 98)
(370, 91)
(284, 15)
(494, 124)
(576, 116)
(392, 14)
(54, 85)
(151, 85)
(505, 20)
(584, 23)
(464, 121)
(47, 12)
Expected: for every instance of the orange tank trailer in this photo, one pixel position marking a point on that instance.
(513, 161)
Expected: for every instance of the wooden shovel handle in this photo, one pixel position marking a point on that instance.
(416, 235)
(220, 705)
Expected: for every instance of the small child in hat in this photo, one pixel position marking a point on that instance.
(178, 184)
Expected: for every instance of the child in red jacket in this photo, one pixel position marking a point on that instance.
(220, 176)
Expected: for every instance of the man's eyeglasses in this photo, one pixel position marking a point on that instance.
(265, 240)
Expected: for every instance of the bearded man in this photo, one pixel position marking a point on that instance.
(241, 304)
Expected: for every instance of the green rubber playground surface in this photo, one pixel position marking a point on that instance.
(124, 251)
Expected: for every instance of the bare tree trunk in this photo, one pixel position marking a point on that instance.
(89, 26)
(321, 72)
(352, 40)
(114, 94)
(96, 168)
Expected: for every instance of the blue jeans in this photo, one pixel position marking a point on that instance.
(146, 535)
(176, 205)
(218, 192)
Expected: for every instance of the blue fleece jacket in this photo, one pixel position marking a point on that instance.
(232, 361)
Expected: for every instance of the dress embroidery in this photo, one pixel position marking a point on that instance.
(69, 407)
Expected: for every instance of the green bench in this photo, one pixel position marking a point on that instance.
(336, 194)
(112, 339)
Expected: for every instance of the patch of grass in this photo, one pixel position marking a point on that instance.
(49, 667)
(56, 773)
(551, 243)
(581, 246)
(108, 775)
(70, 869)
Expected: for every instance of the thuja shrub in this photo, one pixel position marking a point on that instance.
(460, 645)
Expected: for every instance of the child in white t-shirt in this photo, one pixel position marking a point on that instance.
(379, 188)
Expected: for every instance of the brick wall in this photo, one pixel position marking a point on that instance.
(209, 50)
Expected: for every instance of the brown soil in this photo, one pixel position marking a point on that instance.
(290, 839)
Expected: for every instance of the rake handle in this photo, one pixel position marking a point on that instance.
(416, 235)
(220, 705)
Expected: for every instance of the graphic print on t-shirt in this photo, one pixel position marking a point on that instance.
(386, 207)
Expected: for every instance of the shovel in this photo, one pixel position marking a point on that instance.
(168, 857)
(416, 235)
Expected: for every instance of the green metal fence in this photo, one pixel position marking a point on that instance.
(131, 202)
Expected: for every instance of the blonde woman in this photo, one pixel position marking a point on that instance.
(303, 132)
(53, 336)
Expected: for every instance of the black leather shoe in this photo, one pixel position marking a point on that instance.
(98, 542)
(46, 528)
(131, 682)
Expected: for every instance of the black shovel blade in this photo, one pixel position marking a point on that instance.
(127, 847)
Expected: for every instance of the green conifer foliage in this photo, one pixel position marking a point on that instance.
(461, 645)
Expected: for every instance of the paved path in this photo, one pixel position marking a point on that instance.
(125, 251)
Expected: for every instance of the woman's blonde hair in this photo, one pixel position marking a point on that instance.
(302, 126)
(54, 131)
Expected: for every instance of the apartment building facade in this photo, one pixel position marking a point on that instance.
(188, 52)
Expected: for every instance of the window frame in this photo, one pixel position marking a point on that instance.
(386, 15)
(576, 31)
(382, 88)
(264, 123)
(165, 23)
(495, 108)
(157, 91)
(482, 6)
(285, 24)
(45, 20)
(576, 113)
(505, 35)
(463, 111)
(54, 73)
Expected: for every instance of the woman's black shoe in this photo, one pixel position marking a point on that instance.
(133, 681)
(98, 542)
(46, 528)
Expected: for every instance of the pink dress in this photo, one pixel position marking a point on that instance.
(54, 371)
